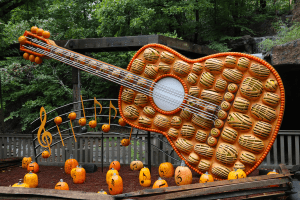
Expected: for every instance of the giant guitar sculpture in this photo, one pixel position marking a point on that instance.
(218, 112)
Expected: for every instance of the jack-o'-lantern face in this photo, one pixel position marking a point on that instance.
(166, 170)
(145, 177)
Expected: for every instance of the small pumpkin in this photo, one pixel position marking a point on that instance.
(46, 34)
(160, 183)
(33, 166)
(115, 164)
(20, 184)
(58, 120)
(39, 31)
(110, 173)
(273, 172)
(82, 122)
(25, 162)
(45, 154)
(26, 56)
(105, 128)
(125, 142)
(31, 179)
(166, 170)
(115, 185)
(38, 60)
(22, 40)
(122, 122)
(61, 185)
(79, 175)
(32, 58)
(183, 175)
(72, 116)
(136, 165)
(70, 164)
(33, 29)
(236, 174)
(102, 192)
(145, 177)
(204, 178)
(93, 124)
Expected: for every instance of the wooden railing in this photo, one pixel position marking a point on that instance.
(88, 149)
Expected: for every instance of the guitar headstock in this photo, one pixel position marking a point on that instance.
(34, 43)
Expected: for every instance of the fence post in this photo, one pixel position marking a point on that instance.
(149, 151)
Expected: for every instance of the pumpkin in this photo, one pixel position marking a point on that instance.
(166, 170)
(236, 174)
(115, 164)
(79, 175)
(45, 154)
(32, 58)
(38, 60)
(26, 56)
(39, 31)
(33, 166)
(183, 175)
(82, 122)
(33, 29)
(110, 173)
(25, 162)
(93, 124)
(204, 178)
(61, 185)
(115, 185)
(70, 164)
(58, 120)
(46, 34)
(105, 128)
(160, 183)
(22, 40)
(125, 142)
(136, 165)
(102, 192)
(122, 122)
(31, 179)
(145, 177)
(20, 184)
(273, 172)
(72, 116)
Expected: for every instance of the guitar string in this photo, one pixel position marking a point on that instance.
(122, 82)
(193, 108)
(197, 101)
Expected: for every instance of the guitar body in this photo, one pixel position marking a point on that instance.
(248, 90)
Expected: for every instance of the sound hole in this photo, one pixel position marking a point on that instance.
(168, 94)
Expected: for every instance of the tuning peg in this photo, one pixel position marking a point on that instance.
(32, 58)
(39, 32)
(26, 56)
(38, 60)
(22, 40)
(46, 34)
(34, 29)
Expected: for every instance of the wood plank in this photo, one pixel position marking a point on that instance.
(1, 148)
(19, 148)
(58, 159)
(282, 152)
(86, 149)
(113, 148)
(14, 148)
(118, 149)
(91, 150)
(76, 147)
(275, 152)
(290, 152)
(107, 151)
(123, 155)
(97, 150)
(141, 151)
(9, 147)
(63, 157)
(81, 150)
(135, 150)
(269, 158)
(297, 150)
(129, 152)
(5, 147)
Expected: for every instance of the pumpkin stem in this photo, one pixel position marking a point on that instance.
(61, 180)
(159, 178)
(274, 170)
(71, 156)
(206, 173)
(183, 164)
(20, 182)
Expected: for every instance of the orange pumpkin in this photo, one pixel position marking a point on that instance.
(61, 185)
(183, 175)
(105, 128)
(22, 40)
(20, 184)
(72, 116)
(31, 179)
(204, 178)
(25, 162)
(273, 172)
(93, 124)
(73, 171)
(115, 185)
(26, 56)
(160, 183)
(39, 31)
(33, 166)
(236, 174)
(79, 175)
(125, 142)
(32, 58)
(34, 29)
(166, 170)
(145, 177)
(116, 165)
(136, 165)
(45, 154)
(38, 60)
(82, 122)
(102, 192)
(122, 122)
(70, 164)
(110, 173)
(46, 34)
(58, 120)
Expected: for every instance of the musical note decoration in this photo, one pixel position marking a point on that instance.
(72, 116)
(125, 142)
(82, 121)
(93, 123)
(46, 136)
(106, 127)
(58, 121)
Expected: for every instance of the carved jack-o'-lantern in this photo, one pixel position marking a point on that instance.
(70, 164)
(115, 164)
(204, 178)
(110, 173)
(183, 175)
(73, 171)
(236, 174)
(273, 172)
(31, 179)
(20, 184)
(61, 185)
(79, 175)
(33, 166)
(166, 170)
(25, 162)
(145, 177)
(115, 185)
(136, 165)
(160, 183)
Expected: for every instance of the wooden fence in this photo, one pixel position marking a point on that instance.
(88, 149)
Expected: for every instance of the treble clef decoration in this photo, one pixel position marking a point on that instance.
(46, 135)
(178, 178)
